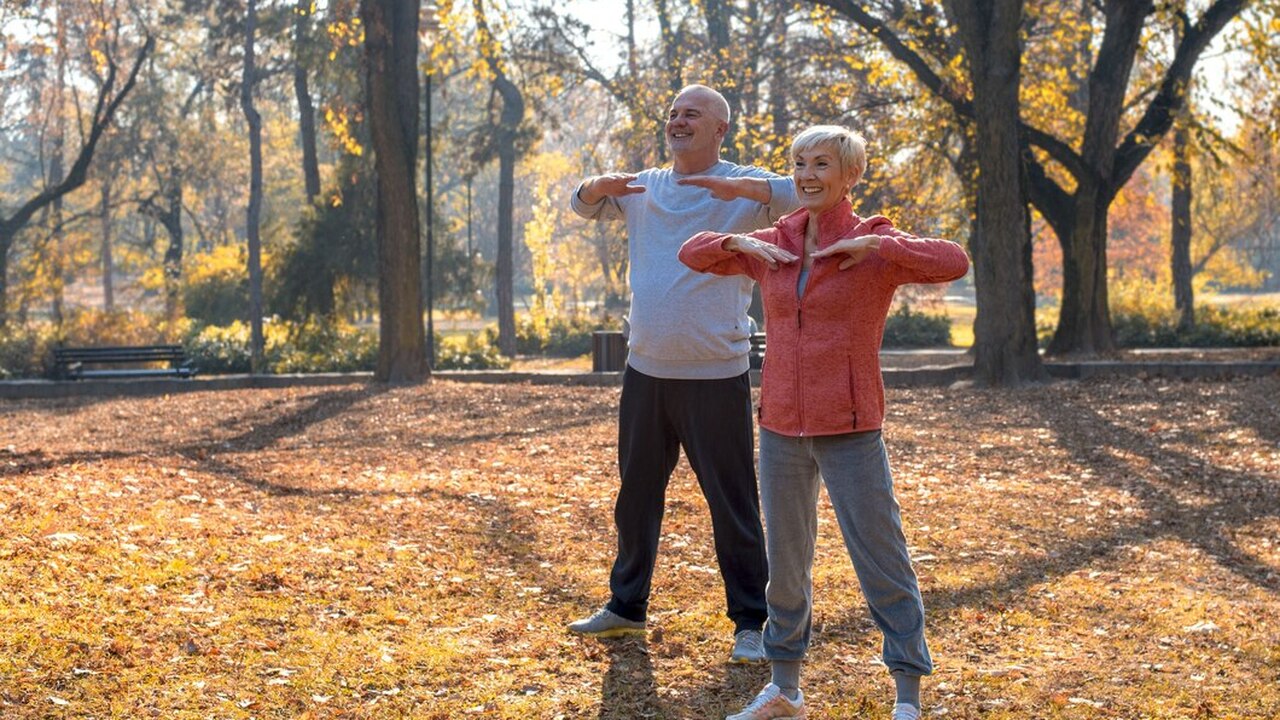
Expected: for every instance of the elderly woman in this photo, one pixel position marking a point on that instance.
(827, 278)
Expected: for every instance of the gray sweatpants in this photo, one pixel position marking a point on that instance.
(855, 469)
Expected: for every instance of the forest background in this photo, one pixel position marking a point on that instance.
(130, 208)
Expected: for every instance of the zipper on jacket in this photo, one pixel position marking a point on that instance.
(796, 361)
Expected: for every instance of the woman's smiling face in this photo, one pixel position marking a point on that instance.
(821, 181)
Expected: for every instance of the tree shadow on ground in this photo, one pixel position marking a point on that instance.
(523, 433)
(1222, 499)
(265, 427)
(34, 461)
(60, 406)
(1228, 498)
(509, 535)
(730, 687)
(1260, 411)
(273, 428)
(511, 539)
(629, 690)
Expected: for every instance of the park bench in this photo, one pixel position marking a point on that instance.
(757, 351)
(609, 351)
(71, 363)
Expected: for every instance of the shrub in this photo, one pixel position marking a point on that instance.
(1046, 325)
(25, 351)
(560, 336)
(474, 351)
(905, 328)
(215, 290)
(323, 346)
(84, 327)
(1214, 327)
(310, 347)
(216, 350)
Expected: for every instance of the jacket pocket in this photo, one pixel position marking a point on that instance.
(853, 392)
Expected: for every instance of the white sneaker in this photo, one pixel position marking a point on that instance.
(906, 711)
(771, 703)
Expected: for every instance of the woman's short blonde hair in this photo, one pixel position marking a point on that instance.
(849, 145)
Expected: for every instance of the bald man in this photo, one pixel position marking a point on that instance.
(687, 382)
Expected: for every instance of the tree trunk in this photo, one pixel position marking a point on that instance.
(1078, 100)
(391, 54)
(778, 78)
(512, 114)
(306, 109)
(171, 219)
(1104, 165)
(638, 157)
(257, 362)
(6, 239)
(108, 266)
(716, 13)
(672, 38)
(429, 272)
(59, 251)
(1084, 322)
(508, 124)
(1004, 330)
(965, 166)
(1180, 235)
(777, 104)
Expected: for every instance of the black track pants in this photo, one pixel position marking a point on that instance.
(711, 419)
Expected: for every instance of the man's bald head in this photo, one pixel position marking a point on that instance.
(713, 99)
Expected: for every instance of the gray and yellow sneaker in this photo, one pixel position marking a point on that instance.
(606, 624)
(748, 648)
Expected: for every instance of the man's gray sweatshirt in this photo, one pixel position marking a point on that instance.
(684, 324)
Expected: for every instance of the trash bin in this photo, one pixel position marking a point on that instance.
(608, 351)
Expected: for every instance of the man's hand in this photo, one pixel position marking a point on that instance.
(769, 253)
(723, 188)
(856, 248)
(609, 185)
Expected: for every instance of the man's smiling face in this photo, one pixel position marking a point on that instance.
(694, 125)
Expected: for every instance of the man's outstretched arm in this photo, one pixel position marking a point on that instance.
(596, 188)
(732, 188)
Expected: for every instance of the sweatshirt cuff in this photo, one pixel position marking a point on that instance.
(782, 198)
(582, 207)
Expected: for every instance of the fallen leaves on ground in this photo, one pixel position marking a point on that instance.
(1099, 549)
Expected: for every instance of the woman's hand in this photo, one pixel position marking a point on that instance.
(768, 253)
(856, 248)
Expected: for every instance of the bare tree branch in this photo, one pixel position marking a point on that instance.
(104, 110)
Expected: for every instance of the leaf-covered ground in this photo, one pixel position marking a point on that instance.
(1102, 549)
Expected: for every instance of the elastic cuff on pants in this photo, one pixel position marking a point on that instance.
(786, 674)
(908, 688)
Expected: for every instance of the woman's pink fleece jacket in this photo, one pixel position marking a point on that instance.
(822, 364)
